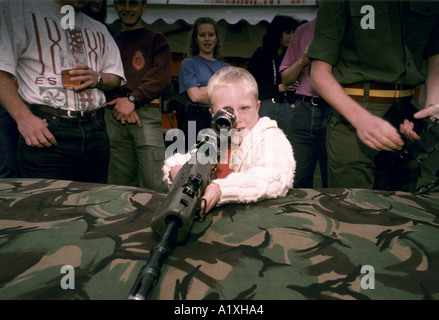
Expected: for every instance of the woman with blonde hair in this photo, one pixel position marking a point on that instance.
(195, 71)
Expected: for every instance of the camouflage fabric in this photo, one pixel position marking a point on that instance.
(311, 244)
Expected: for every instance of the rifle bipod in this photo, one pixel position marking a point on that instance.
(150, 273)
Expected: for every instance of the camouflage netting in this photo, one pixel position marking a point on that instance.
(311, 244)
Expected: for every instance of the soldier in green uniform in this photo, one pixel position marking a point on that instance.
(380, 50)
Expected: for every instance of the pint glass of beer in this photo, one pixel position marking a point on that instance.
(68, 60)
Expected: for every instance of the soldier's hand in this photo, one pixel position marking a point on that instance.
(379, 134)
(407, 127)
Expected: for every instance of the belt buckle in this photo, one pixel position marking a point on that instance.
(69, 114)
(312, 101)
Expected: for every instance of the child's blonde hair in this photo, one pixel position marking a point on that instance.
(230, 77)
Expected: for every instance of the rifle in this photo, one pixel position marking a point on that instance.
(173, 219)
(425, 150)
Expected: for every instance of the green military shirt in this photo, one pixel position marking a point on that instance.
(388, 53)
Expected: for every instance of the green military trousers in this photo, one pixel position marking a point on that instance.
(137, 153)
(352, 164)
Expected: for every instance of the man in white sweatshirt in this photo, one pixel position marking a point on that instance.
(263, 165)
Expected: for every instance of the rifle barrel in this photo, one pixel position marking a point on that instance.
(151, 271)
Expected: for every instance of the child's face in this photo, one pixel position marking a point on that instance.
(244, 104)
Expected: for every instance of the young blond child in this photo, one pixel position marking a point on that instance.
(264, 165)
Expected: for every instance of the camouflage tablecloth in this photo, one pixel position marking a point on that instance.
(70, 240)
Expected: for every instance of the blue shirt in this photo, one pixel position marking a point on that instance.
(196, 72)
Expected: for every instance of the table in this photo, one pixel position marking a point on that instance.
(72, 240)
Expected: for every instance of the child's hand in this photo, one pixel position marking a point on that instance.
(212, 194)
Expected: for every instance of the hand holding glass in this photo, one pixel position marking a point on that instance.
(68, 60)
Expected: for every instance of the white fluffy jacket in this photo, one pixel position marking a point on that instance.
(264, 167)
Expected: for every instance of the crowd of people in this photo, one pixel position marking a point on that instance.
(314, 92)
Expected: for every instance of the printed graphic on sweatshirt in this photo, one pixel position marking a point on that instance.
(138, 61)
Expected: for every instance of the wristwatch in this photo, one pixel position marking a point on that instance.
(100, 82)
(132, 99)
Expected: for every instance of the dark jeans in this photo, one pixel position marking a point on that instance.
(196, 119)
(82, 152)
(8, 145)
(308, 130)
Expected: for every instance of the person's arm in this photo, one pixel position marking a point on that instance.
(293, 72)
(373, 131)
(190, 83)
(111, 68)
(154, 81)
(198, 95)
(432, 82)
(431, 99)
(33, 129)
(172, 165)
(89, 78)
(124, 111)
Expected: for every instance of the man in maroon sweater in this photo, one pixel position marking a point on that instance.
(133, 118)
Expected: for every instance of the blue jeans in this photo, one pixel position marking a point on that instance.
(8, 145)
(82, 152)
(281, 112)
(309, 142)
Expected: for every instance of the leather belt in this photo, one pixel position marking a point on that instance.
(154, 103)
(314, 100)
(272, 100)
(66, 114)
(378, 93)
